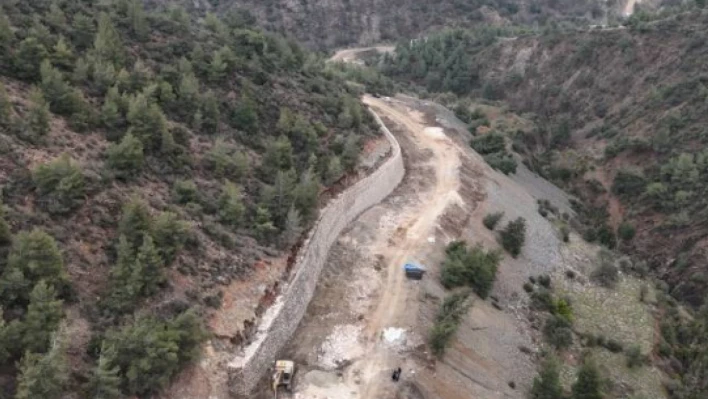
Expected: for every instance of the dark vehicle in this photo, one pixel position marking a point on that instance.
(413, 271)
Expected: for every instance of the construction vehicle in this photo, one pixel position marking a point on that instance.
(414, 271)
(283, 376)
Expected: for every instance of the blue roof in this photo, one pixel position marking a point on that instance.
(412, 266)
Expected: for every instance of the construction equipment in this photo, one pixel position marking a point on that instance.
(414, 271)
(283, 376)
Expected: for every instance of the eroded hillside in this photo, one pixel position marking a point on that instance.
(616, 116)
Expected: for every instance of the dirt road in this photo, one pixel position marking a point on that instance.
(352, 54)
(368, 326)
(390, 311)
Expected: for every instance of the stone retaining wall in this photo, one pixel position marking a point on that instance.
(280, 321)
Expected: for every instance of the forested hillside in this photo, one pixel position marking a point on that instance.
(147, 159)
(617, 117)
(327, 24)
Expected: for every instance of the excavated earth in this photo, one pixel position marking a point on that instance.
(366, 318)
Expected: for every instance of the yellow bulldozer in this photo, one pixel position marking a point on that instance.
(283, 376)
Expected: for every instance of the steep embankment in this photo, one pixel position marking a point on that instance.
(630, 103)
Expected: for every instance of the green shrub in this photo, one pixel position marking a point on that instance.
(126, 158)
(447, 321)
(170, 234)
(135, 222)
(231, 208)
(528, 287)
(34, 257)
(634, 356)
(42, 319)
(149, 352)
(606, 236)
(614, 346)
(626, 231)
(474, 267)
(542, 300)
(606, 273)
(565, 232)
(490, 221)
(513, 236)
(43, 375)
(558, 332)
(225, 162)
(185, 191)
(489, 143)
(588, 383)
(502, 162)
(563, 309)
(5, 233)
(60, 184)
(547, 385)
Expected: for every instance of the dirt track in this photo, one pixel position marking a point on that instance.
(364, 320)
(352, 54)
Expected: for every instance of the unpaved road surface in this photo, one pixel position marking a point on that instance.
(366, 318)
(352, 54)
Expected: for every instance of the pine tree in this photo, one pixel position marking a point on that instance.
(138, 20)
(81, 72)
(43, 316)
(148, 268)
(60, 184)
(167, 94)
(210, 113)
(111, 116)
(147, 122)
(84, 31)
(217, 68)
(264, 224)
(7, 37)
(126, 158)
(5, 233)
(126, 283)
(108, 46)
(5, 107)
(7, 341)
(105, 381)
(170, 234)
(306, 195)
(135, 222)
(38, 115)
(56, 90)
(278, 156)
(244, 116)
(334, 170)
(587, 386)
(547, 384)
(103, 75)
(62, 55)
(28, 57)
(350, 155)
(188, 91)
(293, 227)
(34, 256)
(43, 376)
(56, 17)
(231, 208)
